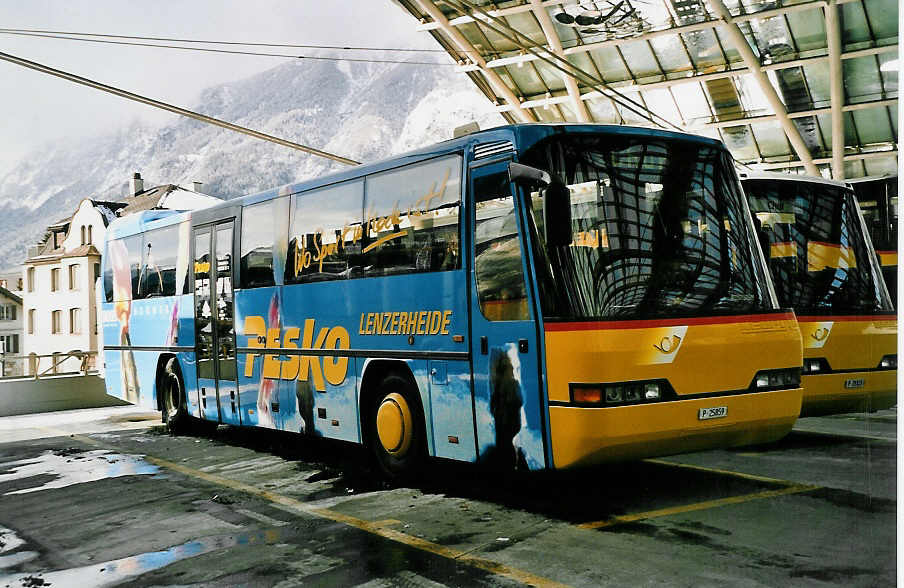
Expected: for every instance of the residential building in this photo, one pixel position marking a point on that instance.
(60, 272)
(10, 333)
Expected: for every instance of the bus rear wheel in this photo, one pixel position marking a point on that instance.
(395, 429)
(175, 414)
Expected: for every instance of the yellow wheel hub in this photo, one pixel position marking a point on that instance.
(394, 424)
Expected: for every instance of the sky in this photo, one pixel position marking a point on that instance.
(38, 109)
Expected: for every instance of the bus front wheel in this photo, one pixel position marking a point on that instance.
(174, 411)
(396, 431)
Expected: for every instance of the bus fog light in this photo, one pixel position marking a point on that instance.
(889, 362)
(651, 391)
(812, 365)
(613, 393)
(762, 381)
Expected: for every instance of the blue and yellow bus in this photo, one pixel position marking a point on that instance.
(535, 296)
(824, 267)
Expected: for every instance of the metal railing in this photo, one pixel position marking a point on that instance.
(55, 364)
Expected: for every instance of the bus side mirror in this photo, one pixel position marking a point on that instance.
(556, 202)
(557, 214)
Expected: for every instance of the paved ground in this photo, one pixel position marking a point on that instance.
(104, 497)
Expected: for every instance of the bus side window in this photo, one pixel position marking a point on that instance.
(158, 274)
(325, 237)
(261, 225)
(411, 222)
(108, 273)
(500, 278)
(133, 253)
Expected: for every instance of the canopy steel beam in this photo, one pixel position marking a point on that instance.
(798, 114)
(697, 26)
(737, 38)
(430, 26)
(552, 39)
(630, 86)
(499, 87)
(824, 160)
(836, 91)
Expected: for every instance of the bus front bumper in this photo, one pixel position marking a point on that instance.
(587, 436)
(849, 392)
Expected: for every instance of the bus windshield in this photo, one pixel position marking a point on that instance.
(820, 259)
(660, 229)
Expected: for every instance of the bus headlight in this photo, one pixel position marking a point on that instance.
(620, 393)
(816, 365)
(777, 379)
(889, 362)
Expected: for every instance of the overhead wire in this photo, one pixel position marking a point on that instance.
(171, 108)
(226, 51)
(213, 42)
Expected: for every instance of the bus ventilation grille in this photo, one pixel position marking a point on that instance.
(494, 148)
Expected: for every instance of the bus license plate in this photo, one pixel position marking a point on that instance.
(855, 383)
(716, 412)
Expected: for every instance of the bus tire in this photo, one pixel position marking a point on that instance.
(395, 429)
(175, 414)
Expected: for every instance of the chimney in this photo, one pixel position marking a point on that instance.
(196, 186)
(136, 184)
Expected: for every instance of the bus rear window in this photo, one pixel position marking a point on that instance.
(123, 269)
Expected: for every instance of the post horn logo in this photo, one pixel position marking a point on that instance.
(669, 344)
(820, 334)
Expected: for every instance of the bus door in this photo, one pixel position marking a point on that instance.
(504, 343)
(214, 329)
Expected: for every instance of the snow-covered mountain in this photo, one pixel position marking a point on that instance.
(361, 111)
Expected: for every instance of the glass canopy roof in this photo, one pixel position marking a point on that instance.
(676, 63)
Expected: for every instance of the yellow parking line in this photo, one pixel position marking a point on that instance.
(722, 472)
(697, 506)
(379, 528)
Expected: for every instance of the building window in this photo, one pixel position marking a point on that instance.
(2, 283)
(83, 234)
(55, 321)
(11, 344)
(8, 312)
(31, 279)
(31, 321)
(96, 273)
(55, 279)
(73, 277)
(19, 284)
(90, 239)
(75, 323)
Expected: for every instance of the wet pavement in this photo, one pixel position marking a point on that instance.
(106, 497)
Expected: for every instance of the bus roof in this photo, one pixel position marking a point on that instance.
(145, 220)
(522, 134)
(764, 175)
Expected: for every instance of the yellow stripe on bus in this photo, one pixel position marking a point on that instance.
(887, 258)
(829, 255)
(782, 250)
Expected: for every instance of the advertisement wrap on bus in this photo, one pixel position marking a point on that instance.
(606, 299)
